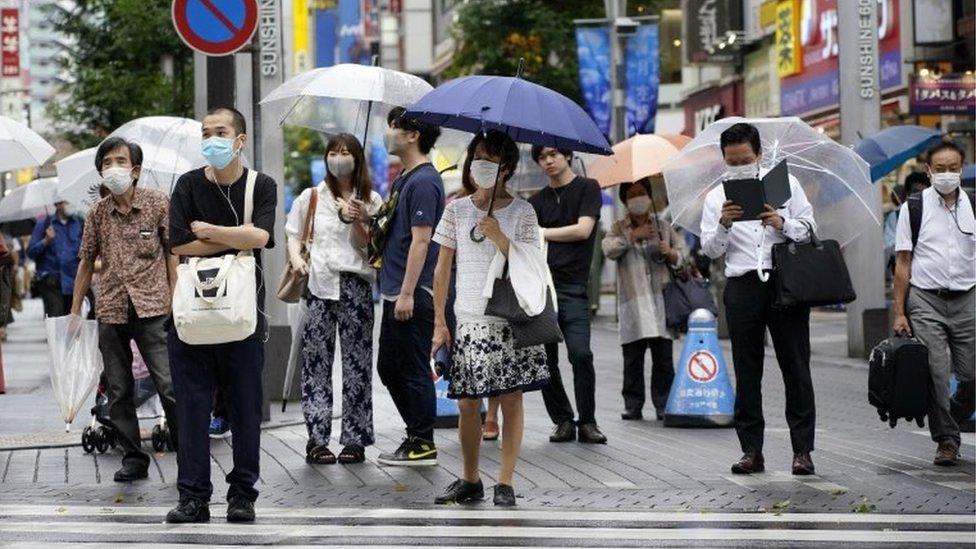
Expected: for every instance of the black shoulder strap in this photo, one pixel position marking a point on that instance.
(915, 216)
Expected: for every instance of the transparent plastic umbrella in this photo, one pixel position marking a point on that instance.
(76, 363)
(836, 179)
(20, 146)
(30, 200)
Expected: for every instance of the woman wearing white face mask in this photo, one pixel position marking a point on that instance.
(644, 247)
(485, 362)
(339, 298)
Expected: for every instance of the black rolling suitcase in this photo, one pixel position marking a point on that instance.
(899, 381)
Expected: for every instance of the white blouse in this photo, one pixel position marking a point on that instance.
(333, 251)
(473, 259)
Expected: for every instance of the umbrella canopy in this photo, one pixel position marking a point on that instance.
(889, 148)
(30, 200)
(20, 146)
(170, 147)
(969, 173)
(345, 98)
(836, 180)
(636, 158)
(527, 112)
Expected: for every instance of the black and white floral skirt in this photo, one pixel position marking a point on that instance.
(485, 363)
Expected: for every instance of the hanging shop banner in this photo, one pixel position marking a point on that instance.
(593, 51)
(325, 34)
(706, 24)
(301, 37)
(643, 66)
(817, 86)
(352, 41)
(9, 43)
(788, 58)
(948, 94)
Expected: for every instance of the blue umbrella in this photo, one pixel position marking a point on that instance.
(969, 174)
(891, 147)
(527, 112)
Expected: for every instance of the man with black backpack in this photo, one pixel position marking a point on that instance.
(936, 250)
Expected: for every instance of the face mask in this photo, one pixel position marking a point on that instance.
(749, 171)
(218, 151)
(484, 173)
(390, 140)
(945, 182)
(69, 210)
(639, 205)
(341, 166)
(117, 180)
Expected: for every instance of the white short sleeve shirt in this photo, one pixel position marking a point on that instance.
(944, 257)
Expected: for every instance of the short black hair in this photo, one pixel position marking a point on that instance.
(112, 143)
(945, 144)
(428, 132)
(498, 144)
(739, 133)
(537, 152)
(238, 120)
(625, 188)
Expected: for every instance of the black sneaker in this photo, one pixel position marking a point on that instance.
(240, 510)
(461, 491)
(131, 471)
(189, 510)
(504, 495)
(413, 452)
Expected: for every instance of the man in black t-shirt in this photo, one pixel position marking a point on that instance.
(568, 210)
(207, 220)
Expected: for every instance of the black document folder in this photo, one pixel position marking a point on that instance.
(753, 194)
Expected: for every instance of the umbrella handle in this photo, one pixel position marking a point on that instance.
(479, 238)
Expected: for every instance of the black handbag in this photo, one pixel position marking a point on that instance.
(682, 296)
(527, 331)
(810, 274)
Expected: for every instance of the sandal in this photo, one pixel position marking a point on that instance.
(352, 454)
(319, 455)
(490, 430)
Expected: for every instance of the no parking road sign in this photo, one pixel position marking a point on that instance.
(215, 27)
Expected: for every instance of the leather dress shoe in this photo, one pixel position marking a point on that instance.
(946, 454)
(802, 464)
(131, 471)
(564, 432)
(590, 434)
(749, 463)
(632, 415)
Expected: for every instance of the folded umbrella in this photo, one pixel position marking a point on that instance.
(30, 200)
(20, 146)
(636, 158)
(889, 148)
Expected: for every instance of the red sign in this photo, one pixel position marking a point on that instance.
(709, 105)
(215, 27)
(9, 42)
(702, 367)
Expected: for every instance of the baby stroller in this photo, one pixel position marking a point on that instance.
(102, 435)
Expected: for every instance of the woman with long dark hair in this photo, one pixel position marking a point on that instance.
(339, 299)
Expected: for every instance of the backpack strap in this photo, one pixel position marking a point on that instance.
(252, 177)
(915, 216)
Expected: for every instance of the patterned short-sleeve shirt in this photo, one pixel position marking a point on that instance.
(133, 248)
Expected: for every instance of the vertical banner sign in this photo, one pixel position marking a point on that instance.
(352, 46)
(643, 64)
(707, 23)
(788, 59)
(301, 36)
(325, 34)
(9, 43)
(593, 51)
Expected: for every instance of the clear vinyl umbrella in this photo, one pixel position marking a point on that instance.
(836, 180)
(76, 362)
(20, 146)
(30, 200)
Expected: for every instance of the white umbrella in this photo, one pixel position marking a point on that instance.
(20, 146)
(30, 200)
(78, 182)
(836, 179)
(345, 98)
(75, 362)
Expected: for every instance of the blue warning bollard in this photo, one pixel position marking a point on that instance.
(701, 394)
(447, 409)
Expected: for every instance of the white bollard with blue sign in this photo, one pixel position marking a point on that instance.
(969, 425)
(701, 394)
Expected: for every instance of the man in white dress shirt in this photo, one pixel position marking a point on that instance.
(747, 247)
(937, 260)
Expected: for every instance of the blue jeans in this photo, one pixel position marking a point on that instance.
(236, 369)
(574, 321)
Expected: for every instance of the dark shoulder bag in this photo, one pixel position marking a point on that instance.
(810, 274)
(682, 296)
(528, 331)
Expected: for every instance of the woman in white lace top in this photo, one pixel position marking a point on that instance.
(485, 362)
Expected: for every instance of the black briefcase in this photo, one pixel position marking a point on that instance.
(810, 274)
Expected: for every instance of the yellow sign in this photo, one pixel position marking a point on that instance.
(767, 14)
(789, 59)
(301, 37)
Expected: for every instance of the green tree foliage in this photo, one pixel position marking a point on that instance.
(303, 146)
(116, 51)
(492, 35)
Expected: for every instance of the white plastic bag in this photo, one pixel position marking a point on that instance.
(76, 362)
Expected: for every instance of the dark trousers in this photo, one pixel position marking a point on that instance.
(236, 369)
(662, 373)
(574, 321)
(55, 303)
(403, 364)
(749, 312)
(114, 341)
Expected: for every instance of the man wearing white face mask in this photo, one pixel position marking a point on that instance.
(128, 232)
(747, 247)
(936, 257)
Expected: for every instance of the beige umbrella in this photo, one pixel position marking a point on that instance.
(636, 158)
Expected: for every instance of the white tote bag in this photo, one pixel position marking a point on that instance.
(216, 297)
